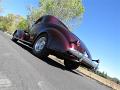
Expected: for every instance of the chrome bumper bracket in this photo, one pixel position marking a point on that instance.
(83, 58)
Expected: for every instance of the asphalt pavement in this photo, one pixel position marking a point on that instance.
(21, 70)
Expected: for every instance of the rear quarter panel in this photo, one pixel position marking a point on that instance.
(56, 40)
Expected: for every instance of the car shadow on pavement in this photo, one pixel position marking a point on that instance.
(48, 60)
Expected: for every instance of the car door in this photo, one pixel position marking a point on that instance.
(32, 32)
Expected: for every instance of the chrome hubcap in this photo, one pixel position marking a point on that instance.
(39, 45)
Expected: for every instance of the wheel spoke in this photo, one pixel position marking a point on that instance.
(39, 45)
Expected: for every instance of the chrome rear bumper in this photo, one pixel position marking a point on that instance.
(83, 58)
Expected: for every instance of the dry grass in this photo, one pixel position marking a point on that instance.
(102, 80)
(92, 75)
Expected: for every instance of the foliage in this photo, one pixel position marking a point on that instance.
(33, 15)
(11, 22)
(65, 10)
(22, 25)
(116, 80)
(103, 74)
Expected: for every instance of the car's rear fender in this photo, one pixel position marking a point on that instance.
(56, 40)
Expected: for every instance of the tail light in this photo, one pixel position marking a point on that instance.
(78, 43)
(72, 45)
(75, 43)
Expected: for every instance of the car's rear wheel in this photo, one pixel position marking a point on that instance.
(14, 37)
(71, 64)
(40, 46)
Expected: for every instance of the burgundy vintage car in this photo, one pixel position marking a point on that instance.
(48, 35)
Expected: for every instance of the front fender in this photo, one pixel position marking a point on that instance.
(19, 34)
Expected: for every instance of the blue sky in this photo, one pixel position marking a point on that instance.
(99, 29)
(17, 6)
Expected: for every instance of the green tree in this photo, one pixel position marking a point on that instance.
(103, 74)
(10, 22)
(1, 22)
(23, 24)
(65, 10)
(116, 80)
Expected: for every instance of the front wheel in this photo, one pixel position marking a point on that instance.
(40, 46)
(71, 64)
